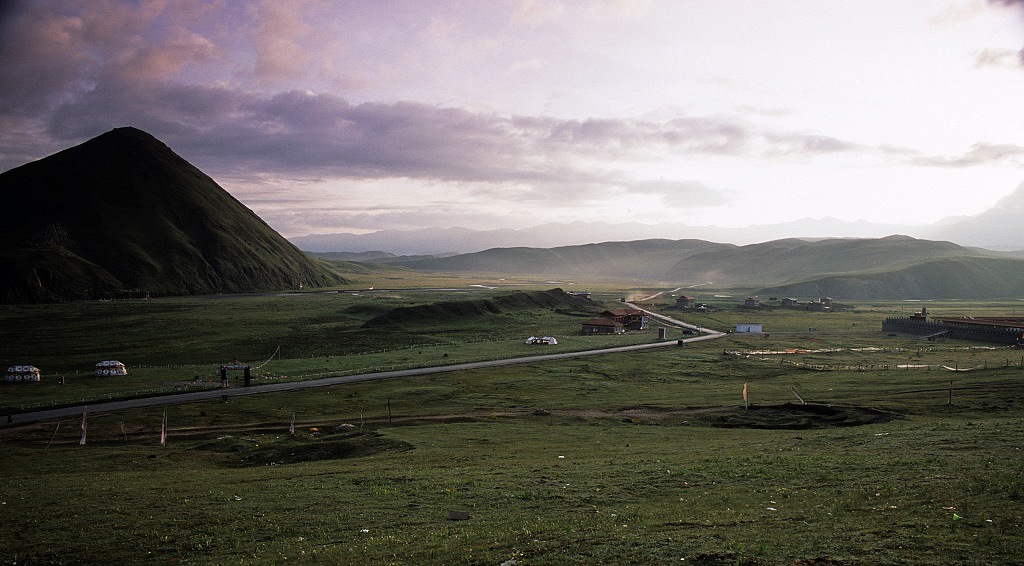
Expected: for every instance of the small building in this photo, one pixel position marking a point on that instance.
(19, 374)
(603, 325)
(686, 303)
(818, 306)
(790, 303)
(752, 302)
(110, 367)
(543, 340)
(583, 294)
(749, 327)
(630, 319)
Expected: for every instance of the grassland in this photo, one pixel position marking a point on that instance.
(646, 458)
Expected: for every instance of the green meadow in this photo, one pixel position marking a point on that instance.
(854, 447)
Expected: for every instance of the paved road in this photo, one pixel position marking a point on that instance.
(181, 398)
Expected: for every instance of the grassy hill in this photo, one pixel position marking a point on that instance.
(122, 214)
(453, 310)
(950, 278)
(793, 259)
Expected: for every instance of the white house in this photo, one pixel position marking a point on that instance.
(749, 327)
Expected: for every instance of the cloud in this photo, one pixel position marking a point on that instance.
(43, 57)
(297, 131)
(533, 13)
(789, 143)
(1008, 3)
(52, 53)
(979, 154)
(681, 194)
(1004, 58)
(295, 39)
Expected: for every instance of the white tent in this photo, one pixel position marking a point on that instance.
(110, 367)
(23, 373)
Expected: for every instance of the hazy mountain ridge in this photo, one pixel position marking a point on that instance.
(644, 259)
(793, 259)
(123, 215)
(451, 241)
(997, 229)
(891, 267)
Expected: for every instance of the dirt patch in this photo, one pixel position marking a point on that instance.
(797, 417)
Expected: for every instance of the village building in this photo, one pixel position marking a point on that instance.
(790, 303)
(818, 306)
(752, 302)
(686, 303)
(603, 326)
(631, 319)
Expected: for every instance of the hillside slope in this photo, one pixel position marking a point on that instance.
(955, 278)
(792, 260)
(452, 310)
(123, 215)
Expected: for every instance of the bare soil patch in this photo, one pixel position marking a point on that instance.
(798, 417)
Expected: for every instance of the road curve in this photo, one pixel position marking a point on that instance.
(182, 398)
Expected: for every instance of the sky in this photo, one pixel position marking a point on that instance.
(356, 116)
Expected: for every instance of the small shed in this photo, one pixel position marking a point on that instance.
(748, 327)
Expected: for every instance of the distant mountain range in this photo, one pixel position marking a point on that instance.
(122, 215)
(895, 267)
(996, 229)
(451, 241)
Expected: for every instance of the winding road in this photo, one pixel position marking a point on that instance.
(182, 398)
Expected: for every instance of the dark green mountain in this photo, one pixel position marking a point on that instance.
(895, 267)
(123, 215)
